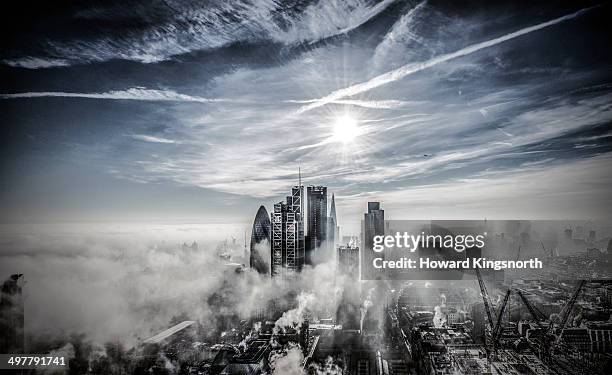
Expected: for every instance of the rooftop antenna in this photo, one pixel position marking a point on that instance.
(301, 193)
(246, 251)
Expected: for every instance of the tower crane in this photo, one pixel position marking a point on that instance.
(546, 252)
(485, 297)
(498, 327)
(567, 310)
(547, 340)
(495, 327)
(536, 314)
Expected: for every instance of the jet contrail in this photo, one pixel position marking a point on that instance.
(412, 68)
(137, 93)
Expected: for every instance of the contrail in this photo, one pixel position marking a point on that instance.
(375, 104)
(138, 93)
(412, 68)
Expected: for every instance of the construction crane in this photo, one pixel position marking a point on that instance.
(485, 297)
(547, 340)
(498, 327)
(546, 252)
(537, 315)
(495, 329)
(566, 312)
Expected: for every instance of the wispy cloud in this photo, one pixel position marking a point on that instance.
(541, 191)
(184, 28)
(35, 62)
(153, 139)
(412, 68)
(137, 93)
(373, 104)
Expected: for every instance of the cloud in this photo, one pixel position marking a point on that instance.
(143, 279)
(248, 141)
(403, 32)
(254, 148)
(152, 139)
(412, 68)
(182, 28)
(135, 93)
(373, 104)
(36, 62)
(563, 190)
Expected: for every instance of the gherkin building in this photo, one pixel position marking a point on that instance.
(260, 242)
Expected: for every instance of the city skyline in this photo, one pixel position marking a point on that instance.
(306, 187)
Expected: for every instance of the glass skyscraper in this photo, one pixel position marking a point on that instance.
(373, 225)
(287, 256)
(260, 242)
(317, 221)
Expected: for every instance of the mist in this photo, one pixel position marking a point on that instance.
(125, 287)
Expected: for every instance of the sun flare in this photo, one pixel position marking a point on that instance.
(345, 129)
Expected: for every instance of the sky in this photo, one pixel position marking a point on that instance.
(176, 111)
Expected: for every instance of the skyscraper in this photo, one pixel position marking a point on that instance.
(287, 256)
(12, 315)
(348, 261)
(317, 222)
(373, 225)
(349, 312)
(333, 230)
(260, 242)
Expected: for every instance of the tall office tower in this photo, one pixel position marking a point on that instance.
(12, 316)
(478, 313)
(348, 261)
(333, 230)
(592, 236)
(349, 309)
(260, 242)
(287, 256)
(373, 225)
(317, 222)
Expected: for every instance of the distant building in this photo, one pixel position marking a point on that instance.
(594, 253)
(607, 295)
(373, 225)
(349, 312)
(578, 338)
(260, 242)
(333, 230)
(186, 247)
(478, 318)
(594, 337)
(350, 240)
(12, 316)
(601, 336)
(317, 221)
(592, 236)
(287, 252)
(454, 316)
(253, 361)
(348, 261)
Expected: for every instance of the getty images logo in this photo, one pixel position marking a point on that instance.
(411, 242)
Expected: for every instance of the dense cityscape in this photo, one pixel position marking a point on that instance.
(306, 187)
(497, 322)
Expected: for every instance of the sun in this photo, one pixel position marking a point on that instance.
(345, 129)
